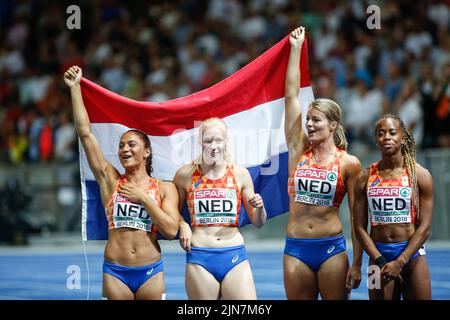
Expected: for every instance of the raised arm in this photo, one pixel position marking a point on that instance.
(99, 166)
(253, 203)
(293, 113)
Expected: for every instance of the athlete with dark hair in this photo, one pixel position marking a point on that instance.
(396, 196)
(136, 206)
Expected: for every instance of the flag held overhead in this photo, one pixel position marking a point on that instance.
(250, 101)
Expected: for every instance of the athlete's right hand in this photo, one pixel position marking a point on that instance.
(297, 37)
(73, 76)
(185, 236)
(353, 277)
(391, 270)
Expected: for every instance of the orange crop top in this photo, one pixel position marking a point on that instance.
(214, 202)
(389, 200)
(121, 213)
(315, 184)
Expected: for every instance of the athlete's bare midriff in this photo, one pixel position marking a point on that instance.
(216, 237)
(310, 221)
(390, 233)
(131, 247)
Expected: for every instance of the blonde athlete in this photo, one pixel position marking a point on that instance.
(321, 172)
(216, 259)
(136, 206)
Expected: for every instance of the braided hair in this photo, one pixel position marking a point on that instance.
(147, 144)
(408, 149)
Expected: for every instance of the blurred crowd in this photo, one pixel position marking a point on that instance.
(156, 51)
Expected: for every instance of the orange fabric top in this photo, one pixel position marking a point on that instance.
(120, 212)
(315, 184)
(214, 202)
(389, 200)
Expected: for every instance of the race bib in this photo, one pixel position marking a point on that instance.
(389, 204)
(315, 186)
(131, 215)
(215, 206)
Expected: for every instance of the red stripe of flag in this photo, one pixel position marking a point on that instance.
(262, 80)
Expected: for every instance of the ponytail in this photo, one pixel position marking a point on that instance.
(339, 138)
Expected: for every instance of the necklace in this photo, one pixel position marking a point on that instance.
(389, 173)
(319, 160)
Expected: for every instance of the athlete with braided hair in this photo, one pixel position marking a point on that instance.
(396, 196)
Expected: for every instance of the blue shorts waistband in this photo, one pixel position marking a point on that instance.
(391, 244)
(315, 241)
(224, 249)
(125, 268)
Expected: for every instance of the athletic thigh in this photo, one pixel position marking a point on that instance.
(416, 276)
(115, 289)
(331, 277)
(238, 284)
(152, 289)
(300, 282)
(200, 284)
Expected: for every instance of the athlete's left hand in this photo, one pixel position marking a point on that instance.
(353, 277)
(133, 193)
(256, 201)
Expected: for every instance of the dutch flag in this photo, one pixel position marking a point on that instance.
(250, 101)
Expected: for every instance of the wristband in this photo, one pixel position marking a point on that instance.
(380, 261)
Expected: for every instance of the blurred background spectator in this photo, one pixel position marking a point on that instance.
(155, 51)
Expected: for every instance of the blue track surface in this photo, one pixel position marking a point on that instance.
(45, 276)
